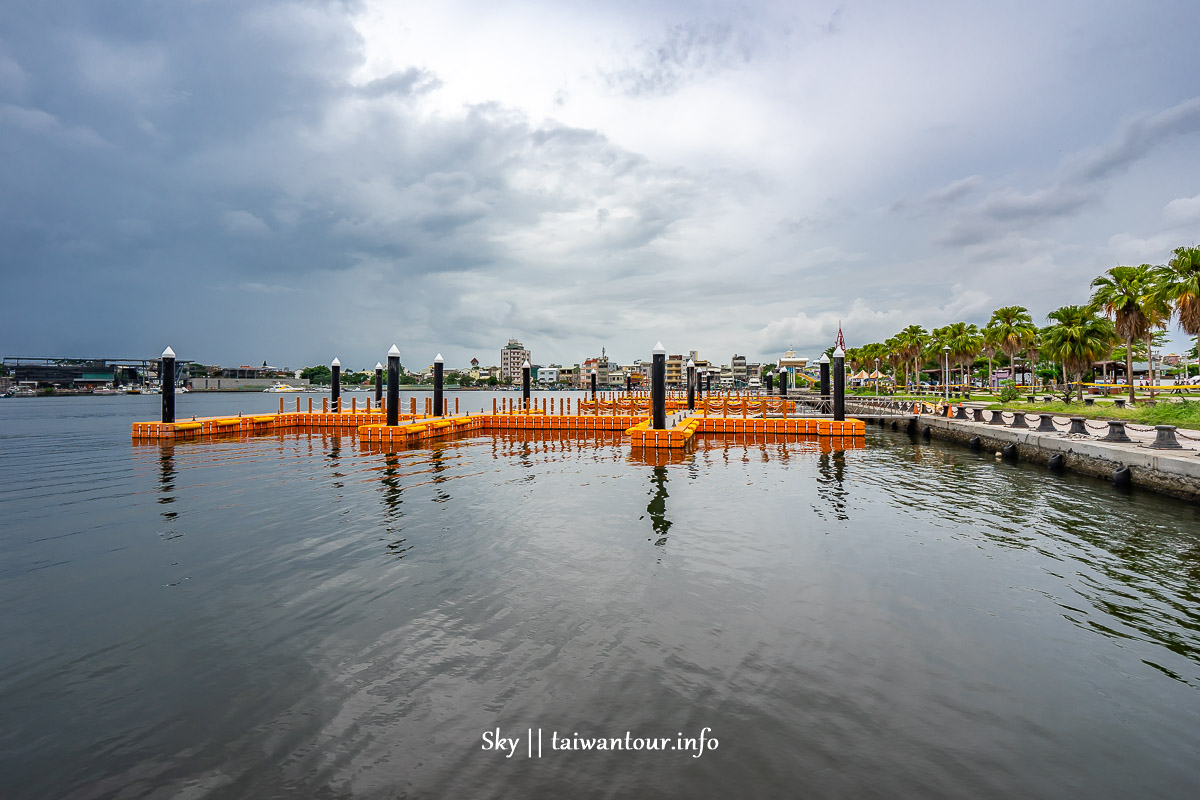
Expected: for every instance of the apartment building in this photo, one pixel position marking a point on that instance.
(512, 357)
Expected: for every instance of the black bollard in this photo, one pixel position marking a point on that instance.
(783, 382)
(839, 385)
(770, 382)
(691, 385)
(1019, 420)
(1077, 426)
(629, 384)
(526, 374)
(699, 384)
(1164, 438)
(166, 379)
(593, 385)
(378, 382)
(1116, 431)
(438, 367)
(997, 418)
(658, 387)
(824, 366)
(393, 386)
(335, 388)
(1046, 424)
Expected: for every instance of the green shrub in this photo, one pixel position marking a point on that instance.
(1008, 392)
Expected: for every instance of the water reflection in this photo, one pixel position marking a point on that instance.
(832, 468)
(658, 505)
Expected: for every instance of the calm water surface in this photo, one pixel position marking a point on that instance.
(304, 616)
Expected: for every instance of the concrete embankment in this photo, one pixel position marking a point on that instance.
(1175, 472)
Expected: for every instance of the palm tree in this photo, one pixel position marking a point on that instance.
(1157, 311)
(1078, 337)
(1013, 331)
(912, 341)
(965, 343)
(1180, 287)
(1122, 294)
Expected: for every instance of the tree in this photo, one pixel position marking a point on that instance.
(1078, 337)
(1178, 285)
(1011, 329)
(965, 343)
(464, 379)
(318, 376)
(1123, 293)
(912, 341)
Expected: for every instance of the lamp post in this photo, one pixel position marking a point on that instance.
(946, 370)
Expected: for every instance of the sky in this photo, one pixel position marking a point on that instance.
(293, 181)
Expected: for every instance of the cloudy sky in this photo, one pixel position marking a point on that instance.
(290, 181)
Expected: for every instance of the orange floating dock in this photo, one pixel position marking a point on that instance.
(371, 427)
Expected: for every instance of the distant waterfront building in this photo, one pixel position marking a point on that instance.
(675, 370)
(548, 375)
(512, 356)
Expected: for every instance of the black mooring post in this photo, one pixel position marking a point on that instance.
(699, 384)
(770, 382)
(438, 365)
(839, 384)
(335, 388)
(658, 387)
(708, 383)
(783, 382)
(824, 363)
(526, 369)
(378, 382)
(629, 383)
(166, 379)
(593, 385)
(691, 385)
(393, 395)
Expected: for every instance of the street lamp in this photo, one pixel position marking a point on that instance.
(946, 370)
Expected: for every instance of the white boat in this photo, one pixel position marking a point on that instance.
(282, 388)
(105, 390)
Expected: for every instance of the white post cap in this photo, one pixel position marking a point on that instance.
(691, 364)
(395, 351)
(526, 364)
(593, 370)
(438, 359)
(168, 353)
(335, 363)
(824, 358)
(839, 353)
(782, 368)
(659, 349)
(378, 366)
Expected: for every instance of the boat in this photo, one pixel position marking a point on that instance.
(105, 390)
(280, 387)
(20, 391)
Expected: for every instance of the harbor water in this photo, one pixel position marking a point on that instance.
(300, 615)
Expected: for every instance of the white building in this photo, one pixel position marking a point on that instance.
(512, 356)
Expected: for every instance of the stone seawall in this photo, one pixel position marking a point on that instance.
(1174, 472)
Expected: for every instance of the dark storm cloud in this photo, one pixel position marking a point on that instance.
(218, 152)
